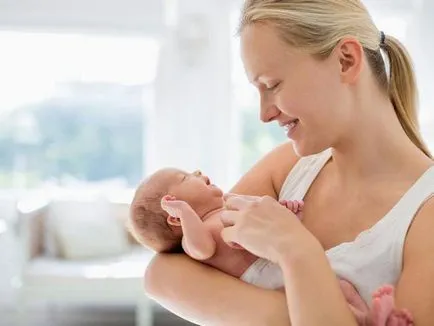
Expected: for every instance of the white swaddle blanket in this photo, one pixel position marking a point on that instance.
(265, 274)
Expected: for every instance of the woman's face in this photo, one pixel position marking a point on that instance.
(305, 95)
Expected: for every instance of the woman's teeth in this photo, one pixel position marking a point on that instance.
(291, 125)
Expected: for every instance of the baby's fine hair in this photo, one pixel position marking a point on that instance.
(148, 222)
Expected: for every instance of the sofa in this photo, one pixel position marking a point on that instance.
(79, 252)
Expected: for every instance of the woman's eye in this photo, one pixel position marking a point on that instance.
(272, 88)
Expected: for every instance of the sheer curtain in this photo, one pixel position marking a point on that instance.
(193, 125)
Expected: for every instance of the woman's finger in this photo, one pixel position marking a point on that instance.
(228, 236)
(236, 203)
(228, 217)
(234, 245)
(246, 197)
(228, 195)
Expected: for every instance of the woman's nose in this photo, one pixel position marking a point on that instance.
(269, 114)
(269, 111)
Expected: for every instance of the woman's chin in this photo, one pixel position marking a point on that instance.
(303, 149)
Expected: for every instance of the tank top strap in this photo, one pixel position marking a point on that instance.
(402, 214)
(400, 218)
(393, 227)
(303, 174)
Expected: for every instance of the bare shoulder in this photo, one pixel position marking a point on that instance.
(420, 232)
(416, 281)
(267, 176)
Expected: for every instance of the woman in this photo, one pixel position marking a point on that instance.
(346, 94)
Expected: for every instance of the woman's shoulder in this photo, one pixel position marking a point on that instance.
(266, 177)
(418, 267)
(419, 234)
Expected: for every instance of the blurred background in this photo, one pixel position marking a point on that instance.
(97, 94)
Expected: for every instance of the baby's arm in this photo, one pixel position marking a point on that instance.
(197, 240)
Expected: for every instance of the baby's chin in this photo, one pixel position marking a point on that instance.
(219, 192)
(216, 189)
(217, 200)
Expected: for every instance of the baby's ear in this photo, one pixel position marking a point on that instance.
(174, 221)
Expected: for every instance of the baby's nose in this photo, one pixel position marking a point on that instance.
(198, 173)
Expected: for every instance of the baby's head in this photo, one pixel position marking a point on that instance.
(151, 225)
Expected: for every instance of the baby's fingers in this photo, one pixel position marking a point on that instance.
(288, 204)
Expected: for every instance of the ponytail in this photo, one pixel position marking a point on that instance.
(403, 91)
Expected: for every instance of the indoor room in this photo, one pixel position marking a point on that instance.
(98, 95)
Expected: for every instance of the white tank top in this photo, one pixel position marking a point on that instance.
(374, 258)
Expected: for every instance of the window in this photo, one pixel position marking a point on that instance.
(73, 109)
(257, 138)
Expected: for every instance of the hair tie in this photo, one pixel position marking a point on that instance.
(385, 55)
(382, 38)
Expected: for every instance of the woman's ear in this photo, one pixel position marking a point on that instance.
(174, 221)
(350, 53)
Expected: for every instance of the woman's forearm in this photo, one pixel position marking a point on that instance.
(206, 296)
(313, 292)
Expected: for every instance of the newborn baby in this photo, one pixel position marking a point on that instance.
(174, 211)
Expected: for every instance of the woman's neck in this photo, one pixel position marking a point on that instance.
(378, 149)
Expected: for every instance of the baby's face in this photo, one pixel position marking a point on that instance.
(196, 189)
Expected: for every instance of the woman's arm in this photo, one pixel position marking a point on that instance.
(310, 279)
(206, 296)
(313, 293)
(209, 297)
(266, 178)
(415, 289)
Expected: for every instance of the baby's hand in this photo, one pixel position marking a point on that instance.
(295, 206)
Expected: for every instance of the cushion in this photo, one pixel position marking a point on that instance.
(131, 264)
(86, 229)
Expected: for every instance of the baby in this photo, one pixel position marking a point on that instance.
(174, 211)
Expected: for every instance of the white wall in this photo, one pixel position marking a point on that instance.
(112, 16)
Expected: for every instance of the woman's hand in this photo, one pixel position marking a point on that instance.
(264, 227)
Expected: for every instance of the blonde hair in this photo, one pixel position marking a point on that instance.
(318, 25)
